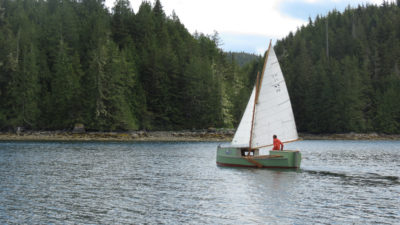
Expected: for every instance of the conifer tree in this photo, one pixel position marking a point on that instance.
(65, 88)
(24, 89)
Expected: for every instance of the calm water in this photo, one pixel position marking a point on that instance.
(341, 182)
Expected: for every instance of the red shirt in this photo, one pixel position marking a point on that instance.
(277, 144)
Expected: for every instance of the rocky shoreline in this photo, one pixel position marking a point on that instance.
(350, 136)
(203, 135)
(198, 135)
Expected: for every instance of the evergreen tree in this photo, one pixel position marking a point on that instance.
(24, 90)
(65, 89)
(7, 64)
(121, 23)
(65, 62)
(347, 89)
(388, 112)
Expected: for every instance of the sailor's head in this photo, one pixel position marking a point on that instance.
(274, 136)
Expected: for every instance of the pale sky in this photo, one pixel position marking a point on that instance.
(248, 25)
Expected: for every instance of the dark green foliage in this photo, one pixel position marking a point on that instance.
(66, 62)
(24, 90)
(241, 58)
(354, 85)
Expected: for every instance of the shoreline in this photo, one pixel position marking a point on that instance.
(350, 136)
(225, 135)
(139, 136)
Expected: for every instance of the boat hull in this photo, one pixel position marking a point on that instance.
(233, 157)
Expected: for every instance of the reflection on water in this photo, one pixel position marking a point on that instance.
(340, 182)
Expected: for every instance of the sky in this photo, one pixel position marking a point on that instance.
(248, 25)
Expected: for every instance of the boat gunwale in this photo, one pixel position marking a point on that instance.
(254, 166)
(244, 157)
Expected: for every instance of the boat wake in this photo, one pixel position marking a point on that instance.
(364, 179)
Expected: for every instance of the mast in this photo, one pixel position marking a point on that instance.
(273, 113)
(258, 88)
(262, 74)
(254, 108)
(268, 110)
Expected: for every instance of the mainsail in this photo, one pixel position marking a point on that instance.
(272, 113)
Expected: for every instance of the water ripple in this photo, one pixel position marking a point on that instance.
(341, 182)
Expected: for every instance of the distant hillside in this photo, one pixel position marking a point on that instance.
(343, 70)
(241, 58)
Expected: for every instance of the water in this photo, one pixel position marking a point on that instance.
(341, 182)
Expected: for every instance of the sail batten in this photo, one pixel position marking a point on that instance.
(272, 112)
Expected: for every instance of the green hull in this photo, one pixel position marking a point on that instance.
(233, 157)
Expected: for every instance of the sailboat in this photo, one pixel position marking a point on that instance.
(268, 112)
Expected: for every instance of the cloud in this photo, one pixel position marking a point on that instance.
(250, 43)
(302, 9)
(245, 23)
(259, 17)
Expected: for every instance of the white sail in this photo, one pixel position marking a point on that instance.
(273, 111)
(242, 135)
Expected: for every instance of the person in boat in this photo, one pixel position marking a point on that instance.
(278, 145)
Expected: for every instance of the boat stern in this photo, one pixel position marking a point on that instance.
(293, 157)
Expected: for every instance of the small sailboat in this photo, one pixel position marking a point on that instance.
(268, 112)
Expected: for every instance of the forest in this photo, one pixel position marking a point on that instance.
(343, 71)
(64, 62)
